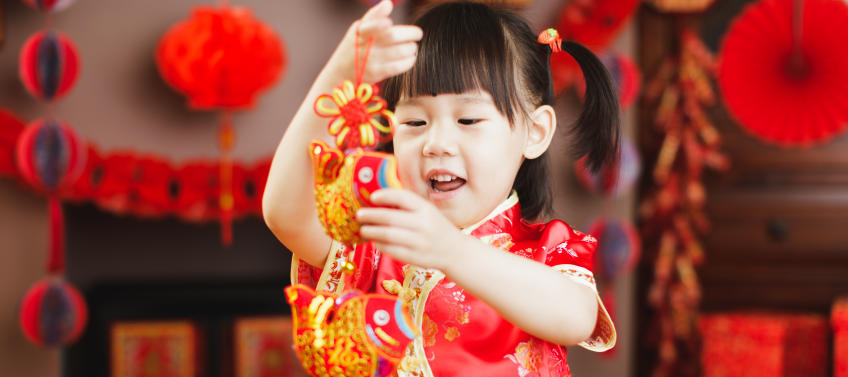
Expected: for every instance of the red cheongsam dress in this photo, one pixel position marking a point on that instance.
(460, 334)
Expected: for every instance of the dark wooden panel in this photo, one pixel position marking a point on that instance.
(774, 286)
(789, 224)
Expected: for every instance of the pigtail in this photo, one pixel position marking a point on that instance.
(597, 129)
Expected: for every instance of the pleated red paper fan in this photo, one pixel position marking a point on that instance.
(773, 96)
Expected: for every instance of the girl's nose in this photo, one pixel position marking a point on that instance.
(441, 141)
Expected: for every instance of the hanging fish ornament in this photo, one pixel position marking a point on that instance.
(351, 334)
(355, 334)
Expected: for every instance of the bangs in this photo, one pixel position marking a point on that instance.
(463, 49)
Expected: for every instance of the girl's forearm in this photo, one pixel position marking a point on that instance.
(288, 205)
(531, 295)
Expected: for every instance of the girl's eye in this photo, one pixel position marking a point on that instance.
(468, 122)
(415, 123)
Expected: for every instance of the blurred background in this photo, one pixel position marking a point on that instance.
(145, 129)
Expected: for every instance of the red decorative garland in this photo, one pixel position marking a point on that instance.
(129, 183)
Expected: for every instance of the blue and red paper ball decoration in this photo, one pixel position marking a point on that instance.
(618, 247)
(49, 155)
(48, 65)
(615, 179)
(53, 313)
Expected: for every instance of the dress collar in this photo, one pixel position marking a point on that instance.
(501, 220)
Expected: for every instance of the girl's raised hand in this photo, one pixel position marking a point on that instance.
(393, 50)
(410, 229)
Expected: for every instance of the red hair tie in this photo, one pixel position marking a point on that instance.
(550, 36)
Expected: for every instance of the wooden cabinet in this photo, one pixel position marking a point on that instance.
(779, 237)
(779, 217)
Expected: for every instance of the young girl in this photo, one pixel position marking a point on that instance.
(492, 294)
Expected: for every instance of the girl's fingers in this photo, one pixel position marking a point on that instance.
(382, 9)
(387, 216)
(400, 34)
(388, 235)
(396, 67)
(404, 50)
(374, 27)
(396, 198)
(397, 52)
(398, 253)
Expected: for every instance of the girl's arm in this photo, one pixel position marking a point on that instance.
(288, 205)
(529, 294)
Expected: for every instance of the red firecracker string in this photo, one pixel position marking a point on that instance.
(672, 211)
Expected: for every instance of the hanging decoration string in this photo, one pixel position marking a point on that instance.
(356, 109)
(796, 62)
(359, 68)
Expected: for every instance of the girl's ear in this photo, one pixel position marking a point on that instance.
(540, 131)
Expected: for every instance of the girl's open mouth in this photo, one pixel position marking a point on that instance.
(445, 182)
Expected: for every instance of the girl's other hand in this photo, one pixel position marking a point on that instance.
(410, 229)
(393, 51)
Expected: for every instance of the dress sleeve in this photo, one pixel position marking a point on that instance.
(571, 252)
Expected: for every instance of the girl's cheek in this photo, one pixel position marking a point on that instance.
(406, 167)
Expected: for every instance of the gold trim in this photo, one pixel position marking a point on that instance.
(613, 336)
(293, 275)
(415, 362)
(592, 344)
(336, 249)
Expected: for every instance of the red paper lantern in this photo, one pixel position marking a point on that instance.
(785, 87)
(594, 23)
(220, 58)
(48, 65)
(53, 313)
(48, 5)
(50, 156)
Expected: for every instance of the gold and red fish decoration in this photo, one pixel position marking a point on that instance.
(343, 184)
(352, 335)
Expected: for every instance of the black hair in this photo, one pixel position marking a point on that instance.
(468, 46)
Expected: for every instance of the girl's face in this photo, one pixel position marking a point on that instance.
(459, 152)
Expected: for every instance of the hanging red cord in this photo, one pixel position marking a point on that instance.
(357, 109)
(226, 140)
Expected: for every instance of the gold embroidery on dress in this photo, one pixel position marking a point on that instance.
(527, 356)
(421, 281)
(331, 276)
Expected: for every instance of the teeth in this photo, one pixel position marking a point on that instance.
(443, 178)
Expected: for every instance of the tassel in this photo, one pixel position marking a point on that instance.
(56, 257)
(226, 140)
